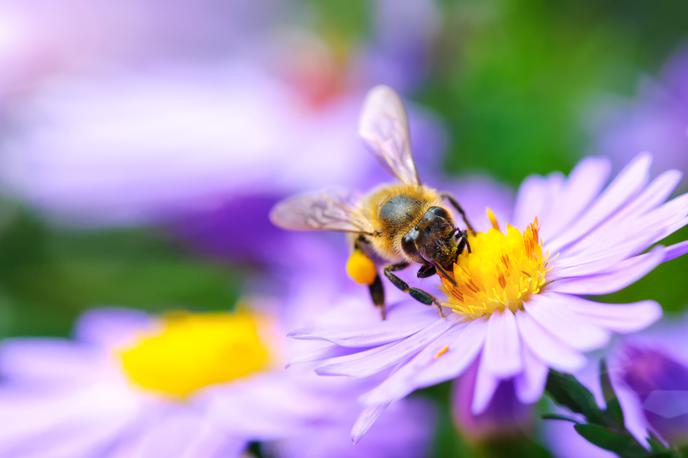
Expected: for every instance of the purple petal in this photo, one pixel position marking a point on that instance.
(502, 352)
(575, 331)
(530, 384)
(402, 382)
(485, 386)
(184, 433)
(405, 430)
(675, 251)
(269, 406)
(369, 362)
(459, 355)
(49, 360)
(365, 421)
(531, 200)
(505, 415)
(603, 248)
(378, 333)
(621, 318)
(583, 185)
(656, 192)
(546, 347)
(111, 327)
(625, 185)
(64, 414)
(628, 272)
(554, 187)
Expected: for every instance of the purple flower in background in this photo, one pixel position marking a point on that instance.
(656, 121)
(400, 56)
(201, 146)
(660, 382)
(41, 40)
(516, 307)
(180, 385)
(649, 372)
(504, 416)
(404, 434)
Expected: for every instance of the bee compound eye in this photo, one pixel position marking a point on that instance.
(439, 211)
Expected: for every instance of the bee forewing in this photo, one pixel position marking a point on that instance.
(384, 127)
(330, 210)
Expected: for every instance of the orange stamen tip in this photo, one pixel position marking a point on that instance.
(442, 351)
(493, 219)
(503, 271)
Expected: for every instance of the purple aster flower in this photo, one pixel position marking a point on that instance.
(656, 121)
(504, 416)
(179, 385)
(649, 372)
(516, 306)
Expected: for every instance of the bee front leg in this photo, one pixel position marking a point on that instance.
(463, 243)
(454, 203)
(426, 270)
(418, 294)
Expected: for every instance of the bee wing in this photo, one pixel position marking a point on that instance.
(329, 210)
(384, 127)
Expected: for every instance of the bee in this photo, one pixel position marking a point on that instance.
(402, 223)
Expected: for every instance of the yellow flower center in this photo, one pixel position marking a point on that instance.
(192, 351)
(501, 272)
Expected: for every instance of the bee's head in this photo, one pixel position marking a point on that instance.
(434, 239)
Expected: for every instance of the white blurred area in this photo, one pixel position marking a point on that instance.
(128, 111)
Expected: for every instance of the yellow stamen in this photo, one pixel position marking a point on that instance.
(361, 268)
(502, 271)
(192, 351)
(442, 351)
(493, 219)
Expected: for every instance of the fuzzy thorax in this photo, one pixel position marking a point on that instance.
(502, 271)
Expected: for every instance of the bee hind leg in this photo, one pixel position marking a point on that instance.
(455, 203)
(377, 294)
(375, 288)
(418, 294)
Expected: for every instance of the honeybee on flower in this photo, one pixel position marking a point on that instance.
(403, 223)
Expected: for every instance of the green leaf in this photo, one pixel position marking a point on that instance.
(556, 416)
(613, 413)
(570, 393)
(605, 382)
(660, 450)
(622, 444)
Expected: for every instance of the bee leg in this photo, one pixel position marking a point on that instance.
(426, 270)
(377, 294)
(376, 288)
(418, 294)
(459, 209)
(463, 243)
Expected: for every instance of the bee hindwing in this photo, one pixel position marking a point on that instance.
(330, 210)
